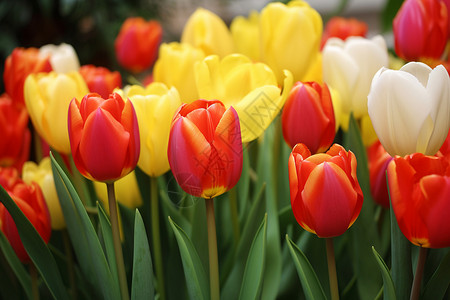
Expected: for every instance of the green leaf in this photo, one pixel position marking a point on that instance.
(438, 284)
(311, 286)
(197, 282)
(36, 248)
(142, 284)
(105, 226)
(16, 265)
(389, 289)
(85, 241)
(254, 269)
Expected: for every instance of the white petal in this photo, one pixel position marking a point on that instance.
(420, 70)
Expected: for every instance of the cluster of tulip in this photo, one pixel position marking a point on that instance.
(208, 112)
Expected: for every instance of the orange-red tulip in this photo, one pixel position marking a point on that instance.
(419, 187)
(30, 200)
(308, 117)
(343, 28)
(205, 148)
(104, 136)
(378, 161)
(325, 194)
(15, 135)
(18, 65)
(100, 80)
(137, 44)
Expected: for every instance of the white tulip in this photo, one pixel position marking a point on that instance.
(410, 108)
(63, 58)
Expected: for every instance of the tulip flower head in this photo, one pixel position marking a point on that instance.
(104, 136)
(205, 148)
(63, 58)
(378, 160)
(100, 80)
(410, 108)
(325, 194)
(246, 35)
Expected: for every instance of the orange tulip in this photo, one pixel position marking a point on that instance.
(343, 28)
(378, 159)
(325, 194)
(308, 117)
(104, 136)
(419, 187)
(101, 80)
(205, 148)
(137, 44)
(30, 200)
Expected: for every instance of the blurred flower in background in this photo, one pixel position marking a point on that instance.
(63, 57)
(100, 80)
(378, 160)
(343, 28)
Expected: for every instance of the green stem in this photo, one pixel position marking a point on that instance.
(34, 281)
(415, 291)
(212, 247)
(156, 237)
(70, 268)
(332, 269)
(116, 240)
(234, 216)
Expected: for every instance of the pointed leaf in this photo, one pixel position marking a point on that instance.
(440, 281)
(388, 289)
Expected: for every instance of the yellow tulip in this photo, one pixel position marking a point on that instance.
(207, 31)
(246, 36)
(290, 36)
(175, 67)
(251, 88)
(42, 174)
(155, 106)
(47, 97)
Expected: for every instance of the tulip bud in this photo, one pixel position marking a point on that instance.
(378, 160)
(63, 58)
(101, 80)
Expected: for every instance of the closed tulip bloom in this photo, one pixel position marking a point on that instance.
(343, 28)
(104, 136)
(47, 98)
(290, 36)
(410, 108)
(18, 65)
(349, 67)
(246, 35)
(251, 88)
(419, 187)
(420, 29)
(42, 174)
(15, 135)
(207, 31)
(175, 67)
(100, 80)
(63, 57)
(30, 200)
(137, 43)
(126, 191)
(205, 148)
(325, 194)
(378, 160)
(308, 117)
(155, 107)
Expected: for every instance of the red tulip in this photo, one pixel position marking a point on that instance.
(419, 187)
(30, 200)
(14, 132)
(420, 29)
(378, 161)
(308, 117)
(325, 194)
(137, 44)
(18, 65)
(104, 136)
(101, 80)
(205, 148)
(343, 28)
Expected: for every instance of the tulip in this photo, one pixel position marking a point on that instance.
(15, 135)
(104, 137)
(348, 67)
(325, 194)
(410, 108)
(246, 35)
(31, 202)
(420, 29)
(175, 67)
(47, 97)
(126, 190)
(137, 44)
(63, 58)
(308, 117)
(419, 187)
(251, 88)
(205, 148)
(343, 28)
(207, 31)
(378, 160)
(290, 36)
(21, 63)
(100, 80)
(155, 107)
(42, 174)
